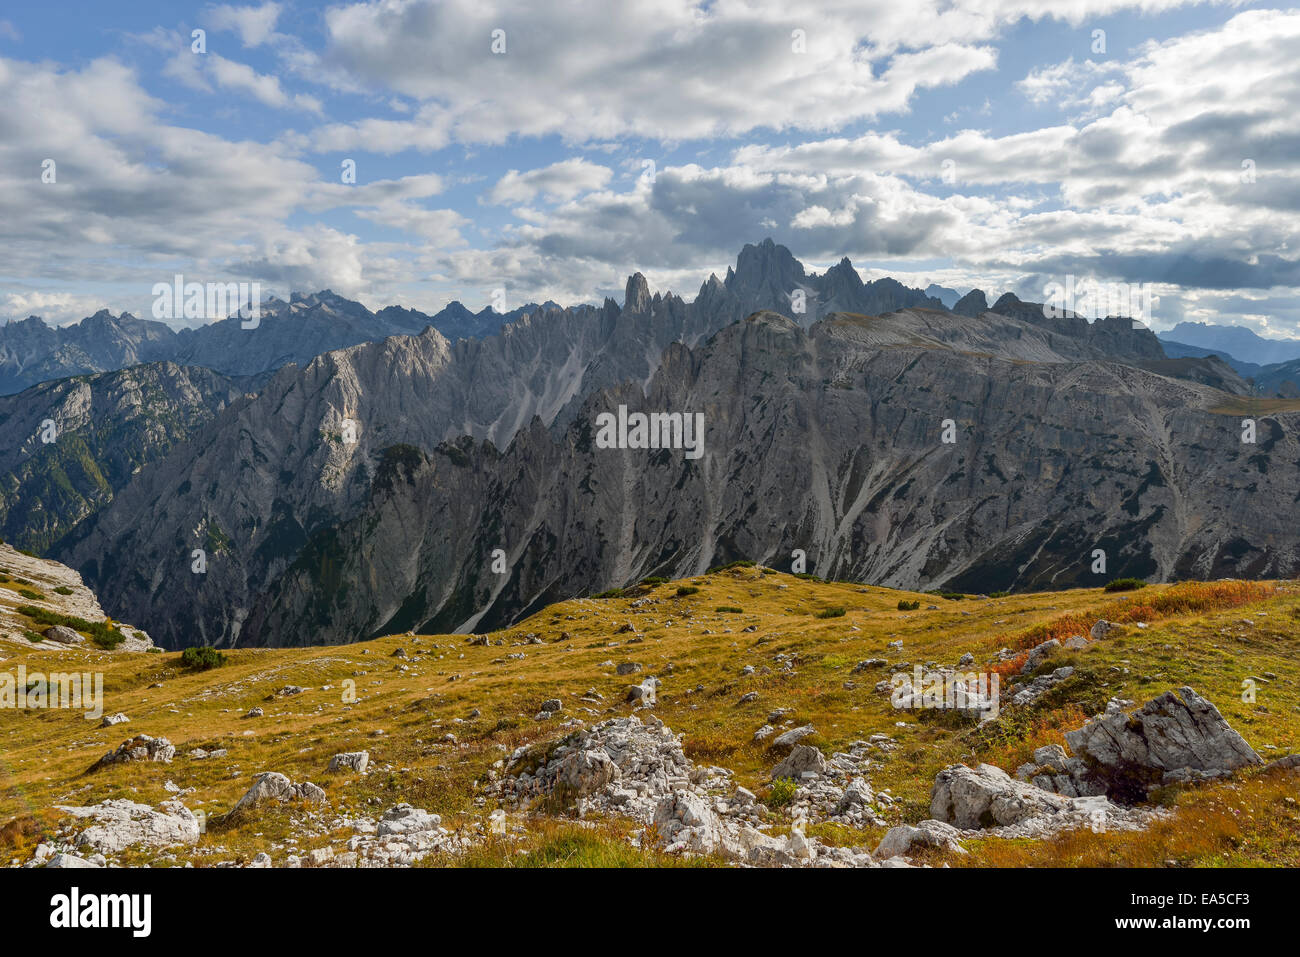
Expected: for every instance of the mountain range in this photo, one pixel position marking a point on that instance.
(291, 332)
(370, 488)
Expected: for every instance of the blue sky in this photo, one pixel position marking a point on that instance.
(989, 144)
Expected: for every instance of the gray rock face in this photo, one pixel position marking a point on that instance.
(411, 539)
(405, 819)
(802, 759)
(120, 421)
(356, 761)
(288, 332)
(1039, 653)
(316, 440)
(63, 635)
(986, 796)
(902, 838)
(121, 824)
(402, 502)
(1035, 689)
(1168, 736)
(140, 748)
(792, 737)
(1101, 629)
(275, 787)
(586, 772)
(1053, 770)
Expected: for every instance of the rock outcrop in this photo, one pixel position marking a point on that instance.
(274, 787)
(142, 747)
(1177, 737)
(55, 588)
(119, 824)
(625, 767)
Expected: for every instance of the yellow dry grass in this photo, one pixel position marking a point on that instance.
(357, 697)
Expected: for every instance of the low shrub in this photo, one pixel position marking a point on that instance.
(202, 657)
(742, 563)
(782, 792)
(102, 633)
(1125, 584)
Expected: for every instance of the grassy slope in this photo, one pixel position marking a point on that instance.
(43, 755)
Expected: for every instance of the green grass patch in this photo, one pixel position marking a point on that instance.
(101, 633)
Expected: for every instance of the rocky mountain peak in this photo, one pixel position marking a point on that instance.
(636, 297)
(973, 304)
(767, 268)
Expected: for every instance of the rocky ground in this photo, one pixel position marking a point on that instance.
(734, 744)
(637, 768)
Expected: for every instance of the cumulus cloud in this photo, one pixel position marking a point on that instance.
(1174, 162)
(242, 78)
(674, 69)
(559, 181)
(255, 25)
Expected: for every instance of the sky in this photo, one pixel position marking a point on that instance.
(548, 150)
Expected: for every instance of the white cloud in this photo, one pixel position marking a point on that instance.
(559, 181)
(242, 78)
(56, 308)
(255, 25)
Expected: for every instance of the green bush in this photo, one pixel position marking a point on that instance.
(201, 658)
(102, 633)
(652, 581)
(684, 590)
(905, 605)
(612, 593)
(31, 595)
(999, 594)
(831, 613)
(742, 563)
(729, 610)
(33, 637)
(63, 590)
(782, 792)
(1125, 584)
